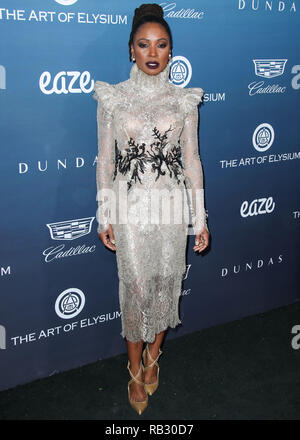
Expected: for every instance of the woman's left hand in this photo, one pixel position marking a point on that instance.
(202, 240)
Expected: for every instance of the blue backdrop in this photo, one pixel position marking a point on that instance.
(59, 305)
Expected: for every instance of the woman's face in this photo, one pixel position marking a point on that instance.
(151, 48)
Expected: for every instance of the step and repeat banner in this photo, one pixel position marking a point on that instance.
(59, 305)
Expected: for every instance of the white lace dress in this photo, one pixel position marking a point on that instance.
(148, 156)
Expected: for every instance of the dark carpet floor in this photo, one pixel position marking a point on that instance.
(242, 370)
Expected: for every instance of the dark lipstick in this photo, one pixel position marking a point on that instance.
(152, 64)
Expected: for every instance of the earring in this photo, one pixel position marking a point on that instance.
(133, 59)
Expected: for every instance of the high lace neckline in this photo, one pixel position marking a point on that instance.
(149, 83)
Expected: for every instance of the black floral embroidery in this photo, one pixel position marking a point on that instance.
(170, 157)
(157, 155)
(135, 152)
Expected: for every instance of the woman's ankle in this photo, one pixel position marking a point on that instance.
(135, 368)
(153, 350)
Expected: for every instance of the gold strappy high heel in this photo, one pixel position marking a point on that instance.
(136, 405)
(151, 387)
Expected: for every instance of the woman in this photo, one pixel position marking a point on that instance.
(147, 140)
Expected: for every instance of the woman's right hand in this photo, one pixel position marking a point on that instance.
(107, 237)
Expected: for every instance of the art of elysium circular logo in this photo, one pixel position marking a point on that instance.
(180, 71)
(66, 2)
(69, 303)
(263, 137)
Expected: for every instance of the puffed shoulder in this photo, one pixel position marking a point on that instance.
(106, 94)
(191, 98)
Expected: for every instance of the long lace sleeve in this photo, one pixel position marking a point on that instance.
(104, 94)
(191, 161)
